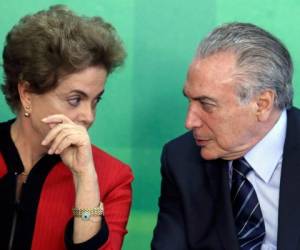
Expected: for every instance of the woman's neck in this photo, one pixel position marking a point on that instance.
(27, 142)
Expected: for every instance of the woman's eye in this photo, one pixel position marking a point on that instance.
(74, 101)
(96, 101)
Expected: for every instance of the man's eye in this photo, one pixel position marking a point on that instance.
(208, 106)
(74, 101)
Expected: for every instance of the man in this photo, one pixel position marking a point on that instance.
(232, 182)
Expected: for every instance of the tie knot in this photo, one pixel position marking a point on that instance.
(241, 166)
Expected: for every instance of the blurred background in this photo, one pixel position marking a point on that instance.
(143, 106)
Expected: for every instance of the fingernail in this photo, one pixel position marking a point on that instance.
(50, 151)
(43, 142)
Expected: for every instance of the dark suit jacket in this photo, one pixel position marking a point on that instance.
(194, 207)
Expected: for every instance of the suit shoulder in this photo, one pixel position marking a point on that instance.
(182, 149)
(293, 113)
(185, 140)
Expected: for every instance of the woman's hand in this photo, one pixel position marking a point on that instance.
(71, 141)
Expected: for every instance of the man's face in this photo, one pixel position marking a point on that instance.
(222, 126)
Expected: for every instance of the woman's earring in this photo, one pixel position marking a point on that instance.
(27, 114)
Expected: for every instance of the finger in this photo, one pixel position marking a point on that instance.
(54, 132)
(64, 144)
(63, 135)
(67, 134)
(57, 118)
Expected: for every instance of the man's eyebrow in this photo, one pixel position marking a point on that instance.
(200, 98)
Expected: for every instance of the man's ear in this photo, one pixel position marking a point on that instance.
(25, 95)
(265, 104)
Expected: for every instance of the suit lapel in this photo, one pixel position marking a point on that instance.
(219, 185)
(289, 196)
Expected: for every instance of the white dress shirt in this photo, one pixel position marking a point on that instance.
(266, 159)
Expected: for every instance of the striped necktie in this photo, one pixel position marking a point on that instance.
(246, 210)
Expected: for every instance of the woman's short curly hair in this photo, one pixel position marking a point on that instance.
(50, 44)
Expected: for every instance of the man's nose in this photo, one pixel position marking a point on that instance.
(193, 119)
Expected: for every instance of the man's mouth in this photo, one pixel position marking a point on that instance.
(202, 142)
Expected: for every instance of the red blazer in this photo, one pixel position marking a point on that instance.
(57, 199)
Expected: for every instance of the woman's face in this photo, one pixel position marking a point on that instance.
(76, 96)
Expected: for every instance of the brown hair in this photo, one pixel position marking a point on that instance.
(48, 45)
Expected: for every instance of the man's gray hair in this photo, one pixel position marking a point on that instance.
(263, 61)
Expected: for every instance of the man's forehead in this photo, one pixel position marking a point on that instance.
(218, 59)
(218, 68)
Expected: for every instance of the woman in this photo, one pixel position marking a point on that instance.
(54, 185)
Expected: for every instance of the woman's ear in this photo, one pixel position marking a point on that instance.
(25, 97)
(265, 105)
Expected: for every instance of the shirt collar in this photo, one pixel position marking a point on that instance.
(266, 154)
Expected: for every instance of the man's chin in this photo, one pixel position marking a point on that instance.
(208, 154)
